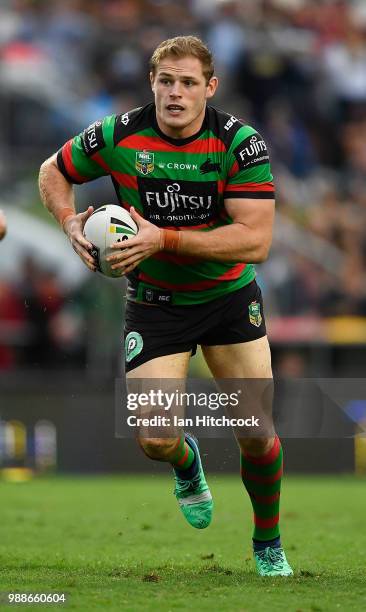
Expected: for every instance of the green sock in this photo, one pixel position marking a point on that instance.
(183, 455)
(262, 479)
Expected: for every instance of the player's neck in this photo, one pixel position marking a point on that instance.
(179, 133)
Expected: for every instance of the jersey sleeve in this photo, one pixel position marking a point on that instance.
(87, 156)
(249, 170)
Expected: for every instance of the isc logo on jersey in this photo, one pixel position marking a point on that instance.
(230, 123)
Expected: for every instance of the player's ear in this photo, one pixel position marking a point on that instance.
(152, 81)
(211, 87)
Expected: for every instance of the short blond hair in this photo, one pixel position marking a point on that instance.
(183, 46)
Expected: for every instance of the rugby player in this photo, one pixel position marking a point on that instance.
(197, 181)
(2, 225)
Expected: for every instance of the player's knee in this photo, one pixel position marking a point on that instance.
(158, 448)
(256, 446)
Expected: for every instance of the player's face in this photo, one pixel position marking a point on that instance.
(181, 91)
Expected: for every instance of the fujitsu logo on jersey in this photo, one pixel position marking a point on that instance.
(172, 199)
(256, 146)
(251, 152)
(168, 202)
(91, 135)
(92, 138)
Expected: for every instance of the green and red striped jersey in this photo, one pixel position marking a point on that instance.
(178, 184)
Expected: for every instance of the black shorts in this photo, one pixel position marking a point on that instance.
(154, 331)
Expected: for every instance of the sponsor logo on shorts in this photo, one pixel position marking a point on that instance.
(255, 316)
(252, 152)
(92, 138)
(125, 119)
(133, 345)
(144, 162)
(176, 203)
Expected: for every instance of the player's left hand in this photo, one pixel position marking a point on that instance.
(148, 241)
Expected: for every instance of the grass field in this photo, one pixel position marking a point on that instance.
(120, 543)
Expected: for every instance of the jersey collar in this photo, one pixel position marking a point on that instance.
(179, 142)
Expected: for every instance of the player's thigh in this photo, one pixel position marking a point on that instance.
(164, 375)
(168, 366)
(241, 360)
(247, 365)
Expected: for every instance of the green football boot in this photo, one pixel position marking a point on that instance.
(272, 562)
(194, 496)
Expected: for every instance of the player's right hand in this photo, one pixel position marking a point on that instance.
(73, 228)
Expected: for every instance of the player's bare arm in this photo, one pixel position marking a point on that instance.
(2, 225)
(247, 239)
(57, 195)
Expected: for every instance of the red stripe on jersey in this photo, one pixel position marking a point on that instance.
(234, 273)
(100, 161)
(221, 186)
(251, 187)
(155, 143)
(266, 523)
(183, 228)
(234, 169)
(70, 168)
(178, 260)
(126, 180)
(231, 274)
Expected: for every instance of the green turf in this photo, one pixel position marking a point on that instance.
(121, 543)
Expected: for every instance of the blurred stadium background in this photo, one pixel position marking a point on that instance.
(296, 69)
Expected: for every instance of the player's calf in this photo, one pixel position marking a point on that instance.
(191, 489)
(160, 449)
(256, 447)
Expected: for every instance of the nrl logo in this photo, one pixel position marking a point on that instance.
(255, 316)
(144, 162)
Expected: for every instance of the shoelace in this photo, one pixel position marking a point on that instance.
(187, 485)
(271, 557)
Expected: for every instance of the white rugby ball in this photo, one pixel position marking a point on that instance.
(108, 224)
